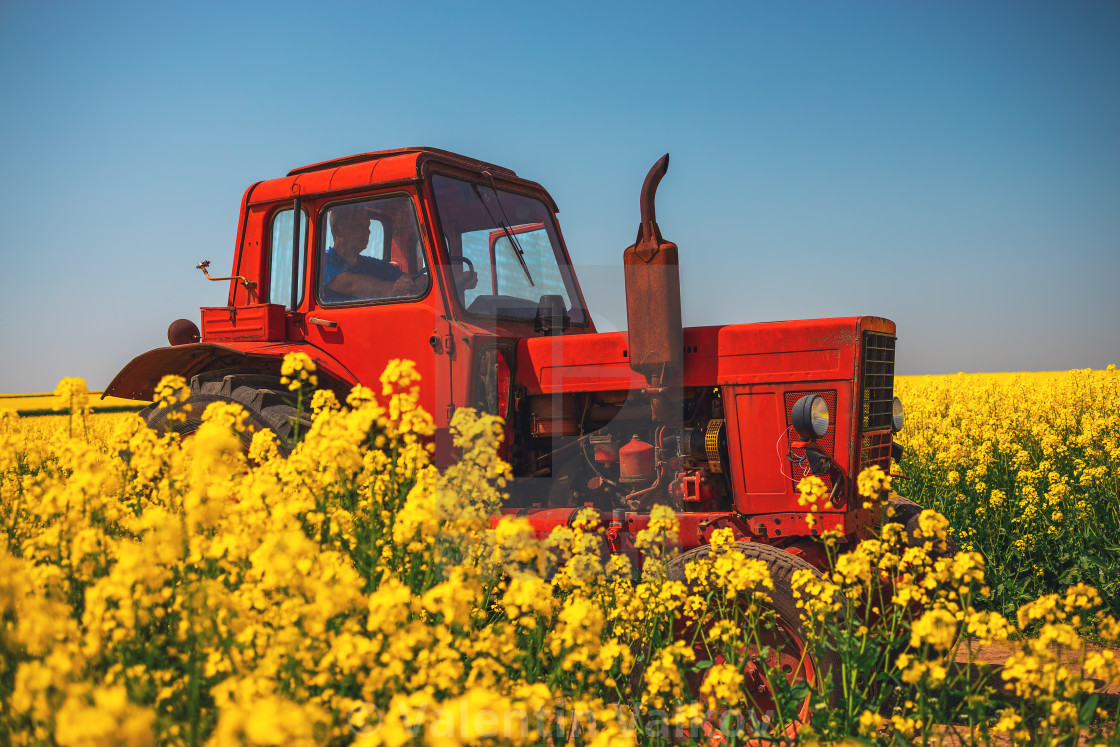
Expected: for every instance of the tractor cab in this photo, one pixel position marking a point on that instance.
(415, 254)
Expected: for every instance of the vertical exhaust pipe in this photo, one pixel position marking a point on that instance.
(653, 300)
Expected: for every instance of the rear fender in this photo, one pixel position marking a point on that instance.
(139, 378)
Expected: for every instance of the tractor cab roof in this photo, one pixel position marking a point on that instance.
(408, 155)
(397, 166)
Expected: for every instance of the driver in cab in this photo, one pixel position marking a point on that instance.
(349, 275)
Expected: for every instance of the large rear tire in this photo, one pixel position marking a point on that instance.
(268, 406)
(789, 648)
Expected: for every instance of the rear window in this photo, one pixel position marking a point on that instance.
(280, 258)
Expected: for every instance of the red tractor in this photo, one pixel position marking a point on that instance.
(460, 266)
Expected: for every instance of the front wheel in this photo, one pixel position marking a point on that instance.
(907, 513)
(781, 651)
(268, 406)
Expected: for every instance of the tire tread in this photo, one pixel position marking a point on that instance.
(267, 404)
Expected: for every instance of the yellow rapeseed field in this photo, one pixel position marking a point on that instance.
(160, 591)
(24, 402)
(1027, 469)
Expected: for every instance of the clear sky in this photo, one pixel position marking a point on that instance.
(953, 166)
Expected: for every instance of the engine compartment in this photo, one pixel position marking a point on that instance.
(605, 450)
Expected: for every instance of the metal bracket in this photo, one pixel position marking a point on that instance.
(249, 284)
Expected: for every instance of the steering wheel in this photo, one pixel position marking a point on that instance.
(460, 258)
(462, 288)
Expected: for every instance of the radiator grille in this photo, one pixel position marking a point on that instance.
(877, 381)
(876, 400)
(826, 443)
(875, 448)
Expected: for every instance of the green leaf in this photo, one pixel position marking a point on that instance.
(1072, 575)
(1087, 560)
(1088, 709)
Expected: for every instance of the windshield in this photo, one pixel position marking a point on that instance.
(510, 242)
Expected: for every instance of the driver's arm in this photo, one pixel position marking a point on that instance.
(465, 279)
(357, 285)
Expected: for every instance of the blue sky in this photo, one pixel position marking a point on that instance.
(952, 166)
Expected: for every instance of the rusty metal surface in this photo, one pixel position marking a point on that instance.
(250, 285)
(649, 189)
(138, 379)
(183, 332)
(664, 407)
(653, 294)
(553, 416)
(636, 462)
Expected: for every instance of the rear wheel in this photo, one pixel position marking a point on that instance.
(268, 406)
(784, 650)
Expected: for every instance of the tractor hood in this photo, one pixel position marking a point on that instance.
(772, 352)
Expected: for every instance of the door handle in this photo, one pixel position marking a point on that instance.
(322, 322)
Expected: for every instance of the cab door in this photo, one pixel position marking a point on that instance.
(373, 298)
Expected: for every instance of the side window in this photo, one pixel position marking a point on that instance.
(372, 251)
(280, 259)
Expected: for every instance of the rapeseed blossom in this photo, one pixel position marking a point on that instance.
(161, 590)
(1024, 467)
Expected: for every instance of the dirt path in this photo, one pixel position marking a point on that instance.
(985, 659)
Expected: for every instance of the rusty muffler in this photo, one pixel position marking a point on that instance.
(653, 301)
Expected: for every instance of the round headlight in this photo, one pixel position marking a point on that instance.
(810, 417)
(897, 416)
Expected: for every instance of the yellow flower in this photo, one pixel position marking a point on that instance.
(298, 370)
(528, 597)
(936, 628)
(72, 395)
(872, 482)
(722, 686)
(906, 727)
(871, 723)
(660, 537)
(663, 679)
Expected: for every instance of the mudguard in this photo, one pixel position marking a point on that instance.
(139, 378)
